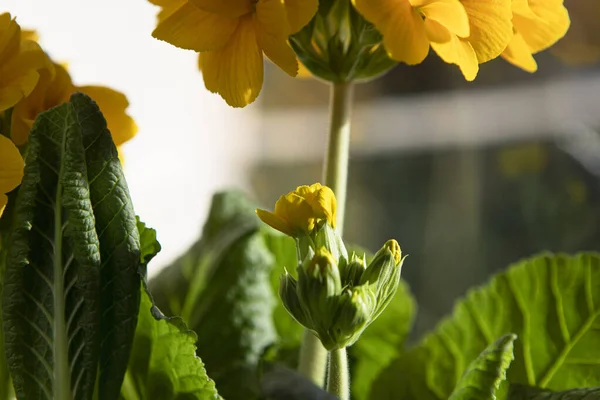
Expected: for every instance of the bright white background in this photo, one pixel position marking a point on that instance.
(189, 144)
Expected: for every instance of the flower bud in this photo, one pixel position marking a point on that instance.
(318, 282)
(355, 307)
(352, 271)
(327, 237)
(339, 45)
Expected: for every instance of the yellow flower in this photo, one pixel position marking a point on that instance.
(297, 212)
(20, 61)
(538, 24)
(54, 88)
(11, 169)
(232, 36)
(466, 32)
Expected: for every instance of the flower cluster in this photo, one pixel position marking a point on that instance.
(334, 295)
(348, 40)
(30, 83)
(232, 36)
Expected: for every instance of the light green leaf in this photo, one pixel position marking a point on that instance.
(483, 376)
(73, 254)
(163, 363)
(149, 245)
(232, 314)
(551, 302)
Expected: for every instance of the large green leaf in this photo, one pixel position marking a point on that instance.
(521, 392)
(227, 298)
(550, 302)
(482, 379)
(71, 292)
(163, 363)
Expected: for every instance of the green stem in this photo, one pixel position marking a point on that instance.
(313, 356)
(338, 381)
(335, 170)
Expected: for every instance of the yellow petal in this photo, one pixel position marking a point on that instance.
(459, 51)
(193, 29)
(449, 13)
(227, 8)
(436, 32)
(54, 87)
(300, 12)
(11, 165)
(519, 54)
(296, 211)
(272, 30)
(549, 23)
(113, 105)
(274, 221)
(402, 27)
(491, 27)
(236, 70)
(10, 34)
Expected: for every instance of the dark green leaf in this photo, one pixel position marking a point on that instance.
(483, 376)
(116, 227)
(73, 254)
(550, 302)
(522, 392)
(163, 363)
(232, 314)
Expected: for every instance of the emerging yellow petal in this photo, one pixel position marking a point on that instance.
(113, 106)
(189, 27)
(297, 212)
(11, 169)
(273, 30)
(236, 70)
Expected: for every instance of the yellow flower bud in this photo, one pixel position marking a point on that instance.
(297, 212)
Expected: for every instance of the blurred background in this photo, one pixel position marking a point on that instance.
(468, 177)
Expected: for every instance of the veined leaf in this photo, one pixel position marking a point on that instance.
(73, 254)
(551, 302)
(482, 378)
(521, 392)
(163, 362)
(227, 298)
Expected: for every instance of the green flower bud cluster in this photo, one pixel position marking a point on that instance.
(339, 45)
(336, 296)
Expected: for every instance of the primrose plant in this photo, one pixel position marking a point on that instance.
(281, 310)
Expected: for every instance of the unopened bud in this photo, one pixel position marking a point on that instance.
(327, 237)
(353, 270)
(289, 296)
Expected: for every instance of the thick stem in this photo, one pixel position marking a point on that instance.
(313, 356)
(338, 377)
(335, 170)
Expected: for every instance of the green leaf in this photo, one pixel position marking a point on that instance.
(549, 301)
(232, 314)
(283, 248)
(483, 376)
(381, 342)
(149, 245)
(163, 363)
(73, 255)
(522, 392)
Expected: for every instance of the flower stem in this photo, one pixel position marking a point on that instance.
(313, 356)
(338, 381)
(335, 170)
